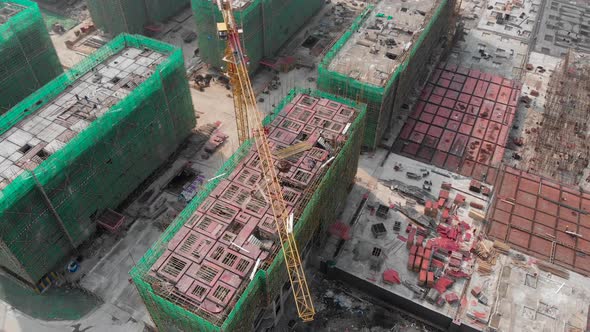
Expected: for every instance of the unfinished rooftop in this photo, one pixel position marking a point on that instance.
(8, 10)
(209, 262)
(373, 53)
(33, 139)
(564, 25)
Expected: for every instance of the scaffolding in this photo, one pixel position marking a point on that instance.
(27, 57)
(49, 210)
(384, 102)
(267, 25)
(132, 16)
(172, 312)
(560, 148)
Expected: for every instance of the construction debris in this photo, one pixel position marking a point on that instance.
(501, 247)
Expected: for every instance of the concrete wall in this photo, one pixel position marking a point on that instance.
(407, 305)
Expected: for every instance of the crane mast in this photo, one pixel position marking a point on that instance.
(249, 125)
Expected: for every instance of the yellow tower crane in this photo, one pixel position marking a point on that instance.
(249, 125)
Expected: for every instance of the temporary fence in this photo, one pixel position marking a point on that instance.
(98, 168)
(171, 315)
(267, 25)
(27, 57)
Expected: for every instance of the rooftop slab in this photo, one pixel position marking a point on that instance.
(209, 261)
(490, 52)
(355, 258)
(542, 218)
(461, 122)
(373, 52)
(564, 25)
(8, 10)
(523, 297)
(511, 18)
(32, 140)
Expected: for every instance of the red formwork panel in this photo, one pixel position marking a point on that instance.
(448, 103)
(457, 116)
(534, 214)
(210, 258)
(476, 101)
(458, 108)
(427, 91)
(453, 125)
(487, 107)
(407, 129)
(439, 121)
(465, 129)
(444, 112)
(417, 137)
(504, 95)
(522, 223)
(459, 145)
(425, 153)
(436, 131)
(439, 91)
(439, 158)
(435, 100)
(480, 88)
(467, 168)
(459, 78)
(426, 117)
(446, 140)
(452, 163)
(410, 148)
(447, 75)
(464, 98)
(492, 93)
(430, 141)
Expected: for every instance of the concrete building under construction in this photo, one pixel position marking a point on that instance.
(132, 16)
(27, 57)
(267, 25)
(79, 146)
(218, 267)
(387, 52)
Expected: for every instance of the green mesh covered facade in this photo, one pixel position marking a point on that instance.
(267, 25)
(131, 16)
(313, 218)
(385, 102)
(27, 56)
(99, 167)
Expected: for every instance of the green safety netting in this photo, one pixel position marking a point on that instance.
(131, 16)
(98, 168)
(170, 316)
(27, 56)
(267, 25)
(381, 101)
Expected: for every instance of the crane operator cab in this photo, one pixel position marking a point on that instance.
(222, 31)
